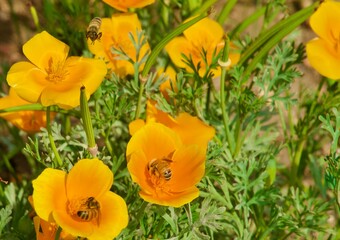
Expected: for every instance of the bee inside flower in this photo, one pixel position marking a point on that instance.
(80, 202)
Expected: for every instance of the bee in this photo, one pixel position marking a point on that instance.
(89, 210)
(92, 31)
(160, 168)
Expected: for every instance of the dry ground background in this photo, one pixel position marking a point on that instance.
(16, 27)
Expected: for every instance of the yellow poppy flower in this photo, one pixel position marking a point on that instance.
(28, 121)
(52, 78)
(190, 129)
(80, 202)
(115, 34)
(206, 34)
(123, 5)
(323, 52)
(165, 169)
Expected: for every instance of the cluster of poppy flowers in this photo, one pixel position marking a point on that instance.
(165, 155)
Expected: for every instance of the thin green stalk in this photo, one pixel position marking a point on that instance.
(57, 160)
(223, 99)
(207, 102)
(57, 234)
(87, 123)
(187, 208)
(238, 136)
(108, 144)
(226, 11)
(246, 22)
(140, 96)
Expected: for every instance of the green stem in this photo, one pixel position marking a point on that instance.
(238, 136)
(57, 234)
(223, 99)
(108, 144)
(207, 102)
(87, 123)
(225, 11)
(187, 208)
(57, 160)
(140, 96)
(246, 22)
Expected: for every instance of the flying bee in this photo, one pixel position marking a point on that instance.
(160, 168)
(92, 31)
(89, 210)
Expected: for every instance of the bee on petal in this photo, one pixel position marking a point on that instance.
(89, 210)
(160, 168)
(92, 31)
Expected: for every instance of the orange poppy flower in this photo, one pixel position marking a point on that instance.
(323, 52)
(115, 34)
(190, 129)
(165, 169)
(206, 34)
(28, 121)
(123, 5)
(80, 202)
(52, 78)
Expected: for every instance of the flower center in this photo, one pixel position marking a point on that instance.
(160, 172)
(84, 210)
(56, 71)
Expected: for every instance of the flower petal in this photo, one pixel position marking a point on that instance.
(113, 217)
(71, 226)
(187, 128)
(323, 59)
(66, 98)
(49, 193)
(176, 47)
(135, 125)
(124, 5)
(153, 114)
(187, 168)
(52, 49)
(173, 199)
(79, 72)
(137, 166)
(27, 80)
(325, 21)
(155, 140)
(88, 178)
(206, 32)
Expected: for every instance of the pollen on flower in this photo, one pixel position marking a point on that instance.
(56, 71)
(84, 210)
(159, 171)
